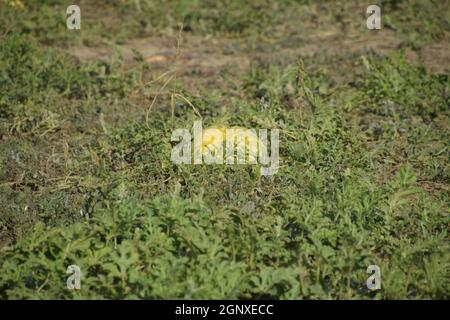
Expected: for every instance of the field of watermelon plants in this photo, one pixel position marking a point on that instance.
(86, 176)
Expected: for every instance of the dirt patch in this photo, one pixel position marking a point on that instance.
(204, 58)
(436, 57)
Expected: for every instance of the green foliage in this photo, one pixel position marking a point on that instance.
(310, 247)
(308, 232)
(392, 86)
(136, 249)
(418, 22)
(27, 71)
(205, 17)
